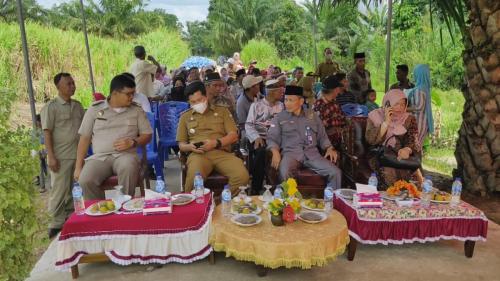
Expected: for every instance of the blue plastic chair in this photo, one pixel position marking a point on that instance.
(152, 154)
(169, 114)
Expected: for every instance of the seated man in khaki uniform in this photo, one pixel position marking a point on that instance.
(115, 127)
(207, 132)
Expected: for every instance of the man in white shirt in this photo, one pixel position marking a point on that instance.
(258, 121)
(144, 71)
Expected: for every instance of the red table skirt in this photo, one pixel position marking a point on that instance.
(189, 217)
(181, 236)
(411, 230)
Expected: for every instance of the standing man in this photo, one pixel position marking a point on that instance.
(61, 118)
(294, 138)
(144, 72)
(328, 67)
(259, 119)
(359, 78)
(402, 76)
(115, 127)
(207, 132)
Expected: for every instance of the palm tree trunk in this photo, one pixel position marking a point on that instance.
(478, 145)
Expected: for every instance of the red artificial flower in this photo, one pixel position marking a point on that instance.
(288, 214)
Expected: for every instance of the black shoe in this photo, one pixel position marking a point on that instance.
(53, 232)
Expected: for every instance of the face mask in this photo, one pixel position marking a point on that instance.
(200, 107)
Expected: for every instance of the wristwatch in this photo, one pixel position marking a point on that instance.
(219, 144)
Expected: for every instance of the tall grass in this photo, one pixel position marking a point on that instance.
(53, 50)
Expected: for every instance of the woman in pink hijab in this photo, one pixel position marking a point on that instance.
(393, 127)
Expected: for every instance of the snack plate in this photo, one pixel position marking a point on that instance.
(345, 193)
(303, 204)
(191, 199)
(98, 214)
(136, 204)
(235, 219)
(256, 212)
(322, 215)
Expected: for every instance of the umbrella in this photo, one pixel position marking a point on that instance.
(197, 61)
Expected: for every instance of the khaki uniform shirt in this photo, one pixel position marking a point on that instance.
(326, 69)
(142, 71)
(105, 126)
(63, 119)
(216, 122)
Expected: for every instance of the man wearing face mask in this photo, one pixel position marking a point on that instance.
(115, 127)
(258, 121)
(295, 137)
(206, 132)
(327, 68)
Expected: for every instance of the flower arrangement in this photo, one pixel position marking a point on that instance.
(289, 205)
(402, 186)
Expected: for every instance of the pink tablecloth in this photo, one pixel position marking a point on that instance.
(398, 225)
(127, 238)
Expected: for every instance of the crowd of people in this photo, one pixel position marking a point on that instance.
(295, 117)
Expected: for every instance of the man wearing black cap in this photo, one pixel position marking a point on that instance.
(402, 76)
(295, 137)
(359, 78)
(329, 110)
(207, 132)
(236, 89)
(258, 121)
(215, 92)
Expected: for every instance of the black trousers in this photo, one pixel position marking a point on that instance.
(257, 167)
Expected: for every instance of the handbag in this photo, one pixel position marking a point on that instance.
(388, 157)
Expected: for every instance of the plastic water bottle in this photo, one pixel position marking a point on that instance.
(199, 189)
(456, 191)
(226, 201)
(278, 192)
(425, 200)
(309, 135)
(328, 197)
(373, 181)
(160, 185)
(78, 199)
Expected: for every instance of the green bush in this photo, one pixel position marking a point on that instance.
(264, 52)
(18, 220)
(47, 57)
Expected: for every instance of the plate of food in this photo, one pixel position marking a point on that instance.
(391, 197)
(136, 204)
(246, 220)
(205, 192)
(183, 199)
(102, 208)
(245, 208)
(441, 197)
(312, 217)
(314, 204)
(346, 193)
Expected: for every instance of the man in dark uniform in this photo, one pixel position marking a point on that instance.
(294, 138)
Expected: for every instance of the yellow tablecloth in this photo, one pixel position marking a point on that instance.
(298, 244)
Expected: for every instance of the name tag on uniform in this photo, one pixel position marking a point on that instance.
(100, 118)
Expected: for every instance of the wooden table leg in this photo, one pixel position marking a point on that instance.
(351, 248)
(211, 258)
(469, 248)
(261, 271)
(74, 271)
